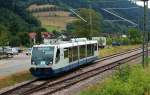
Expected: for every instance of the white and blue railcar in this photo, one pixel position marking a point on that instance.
(49, 60)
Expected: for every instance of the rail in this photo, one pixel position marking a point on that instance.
(57, 84)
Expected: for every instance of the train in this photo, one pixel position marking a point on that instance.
(52, 59)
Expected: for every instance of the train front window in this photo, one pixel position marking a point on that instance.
(43, 55)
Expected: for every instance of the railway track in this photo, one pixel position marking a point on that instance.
(47, 87)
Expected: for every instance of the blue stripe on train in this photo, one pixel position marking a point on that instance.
(48, 72)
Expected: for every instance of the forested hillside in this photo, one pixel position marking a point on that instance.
(134, 14)
(15, 21)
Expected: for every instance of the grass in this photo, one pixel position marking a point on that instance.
(56, 20)
(127, 81)
(57, 23)
(51, 28)
(52, 20)
(14, 79)
(116, 49)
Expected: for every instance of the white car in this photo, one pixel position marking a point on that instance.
(12, 51)
(15, 51)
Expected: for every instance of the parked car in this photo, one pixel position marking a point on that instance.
(15, 51)
(1, 51)
(11, 51)
(8, 52)
(116, 43)
(28, 52)
(19, 49)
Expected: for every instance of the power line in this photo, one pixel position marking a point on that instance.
(109, 1)
(78, 15)
(123, 8)
(131, 22)
(115, 21)
(71, 10)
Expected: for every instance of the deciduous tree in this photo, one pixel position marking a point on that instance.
(86, 29)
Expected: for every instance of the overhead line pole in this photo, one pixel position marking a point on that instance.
(91, 22)
(145, 35)
(145, 31)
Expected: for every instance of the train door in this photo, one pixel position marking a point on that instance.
(70, 54)
(60, 56)
(96, 49)
(57, 59)
(82, 53)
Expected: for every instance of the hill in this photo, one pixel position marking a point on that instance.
(133, 13)
(14, 7)
(52, 17)
(16, 22)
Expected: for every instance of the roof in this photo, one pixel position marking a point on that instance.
(67, 44)
(46, 35)
(32, 35)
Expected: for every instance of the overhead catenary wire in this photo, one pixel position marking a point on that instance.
(78, 15)
(123, 8)
(108, 1)
(71, 10)
(115, 21)
(129, 21)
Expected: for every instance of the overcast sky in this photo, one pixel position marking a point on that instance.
(141, 3)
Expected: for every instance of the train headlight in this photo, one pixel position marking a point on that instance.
(33, 63)
(50, 63)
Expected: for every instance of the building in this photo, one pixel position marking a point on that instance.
(32, 36)
(44, 35)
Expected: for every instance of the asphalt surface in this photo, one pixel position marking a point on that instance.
(18, 63)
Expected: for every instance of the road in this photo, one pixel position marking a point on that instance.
(14, 65)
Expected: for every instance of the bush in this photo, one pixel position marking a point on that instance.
(127, 81)
(122, 41)
(109, 41)
(135, 36)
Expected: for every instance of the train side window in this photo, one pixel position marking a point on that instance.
(66, 53)
(82, 51)
(89, 50)
(92, 49)
(57, 56)
(70, 55)
(75, 53)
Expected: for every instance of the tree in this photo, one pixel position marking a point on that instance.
(39, 38)
(4, 36)
(14, 41)
(83, 29)
(134, 36)
(24, 38)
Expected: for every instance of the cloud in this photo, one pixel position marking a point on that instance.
(140, 3)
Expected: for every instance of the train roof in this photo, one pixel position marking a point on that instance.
(65, 44)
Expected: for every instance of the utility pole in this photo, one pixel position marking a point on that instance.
(145, 35)
(91, 22)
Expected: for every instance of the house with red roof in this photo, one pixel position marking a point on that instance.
(45, 36)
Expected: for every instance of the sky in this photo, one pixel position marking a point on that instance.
(141, 3)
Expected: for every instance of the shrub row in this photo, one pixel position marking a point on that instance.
(127, 81)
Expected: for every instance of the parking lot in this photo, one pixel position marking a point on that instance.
(18, 63)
